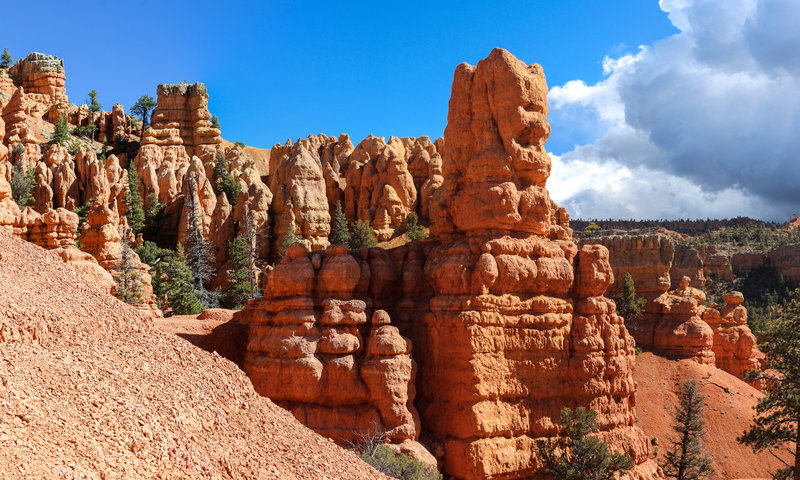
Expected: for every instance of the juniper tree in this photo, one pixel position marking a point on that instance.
(142, 108)
(629, 306)
(129, 285)
(362, 235)
(778, 411)
(5, 59)
(340, 234)
(579, 455)
(685, 459)
(414, 231)
(133, 202)
(224, 182)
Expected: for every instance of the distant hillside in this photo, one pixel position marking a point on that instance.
(687, 227)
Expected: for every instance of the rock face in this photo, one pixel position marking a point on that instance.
(648, 258)
(786, 259)
(42, 76)
(314, 349)
(506, 315)
(735, 348)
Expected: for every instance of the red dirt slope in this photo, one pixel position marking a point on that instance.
(90, 390)
(728, 412)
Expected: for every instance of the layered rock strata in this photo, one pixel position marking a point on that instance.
(505, 313)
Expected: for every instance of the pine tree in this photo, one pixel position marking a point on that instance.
(414, 231)
(224, 182)
(778, 411)
(22, 183)
(289, 239)
(61, 132)
(180, 286)
(362, 235)
(142, 108)
(685, 459)
(133, 202)
(238, 287)
(129, 285)
(94, 107)
(629, 306)
(156, 258)
(198, 252)
(579, 455)
(153, 214)
(340, 234)
(214, 122)
(5, 59)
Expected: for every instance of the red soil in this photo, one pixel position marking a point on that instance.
(728, 412)
(90, 390)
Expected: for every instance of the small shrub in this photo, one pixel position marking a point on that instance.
(414, 231)
(401, 466)
(362, 235)
(85, 131)
(22, 184)
(61, 132)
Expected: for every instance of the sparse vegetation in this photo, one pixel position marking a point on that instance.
(371, 447)
(362, 235)
(5, 59)
(414, 231)
(591, 229)
(133, 202)
(22, 182)
(94, 107)
(685, 460)
(579, 455)
(778, 411)
(340, 234)
(214, 122)
(85, 131)
(129, 285)
(142, 109)
(224, 182)
(198, 252)
(61, 132)
(289, 239)
(237, 289)
(629, 306)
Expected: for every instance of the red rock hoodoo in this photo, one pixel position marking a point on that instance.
(502, 312)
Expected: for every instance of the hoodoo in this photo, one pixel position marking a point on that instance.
(501, 313)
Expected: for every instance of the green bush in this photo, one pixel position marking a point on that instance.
(61, 132)
(85, 131)
(22, 184)
(362, 235)
(414, 231)
(401, 466)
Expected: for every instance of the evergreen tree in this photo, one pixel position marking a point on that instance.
(214, 122)
(61, 132)
(94, 107)
(129, 285)
(5, 59)
(340, 234)
(778, 411)
(133, 202)
(180, 286)
(224, 182)
(198, 252)
(414, 231)
(629, 306)
(153, 214)
(289, 239)
(237, 288)
(142, 108)
(156, 258)
(362, 235)
(22, 183)
(579, 455)
(685, 459)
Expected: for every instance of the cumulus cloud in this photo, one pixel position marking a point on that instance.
(712, 112)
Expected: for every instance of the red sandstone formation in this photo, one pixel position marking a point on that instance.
(42, 77)
(507, 315)
(648, 258)
(786, 259)
(735, 348)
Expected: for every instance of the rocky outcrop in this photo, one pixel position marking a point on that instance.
(339, 367)
(735, 347)
(648, 258)
(180, 129)
(505, 313)
(786, 260)
(101, 236)
(42, 76)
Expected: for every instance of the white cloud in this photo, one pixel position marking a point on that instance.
(713, 111)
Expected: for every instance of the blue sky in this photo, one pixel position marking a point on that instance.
(658, 108)
(278, 70)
